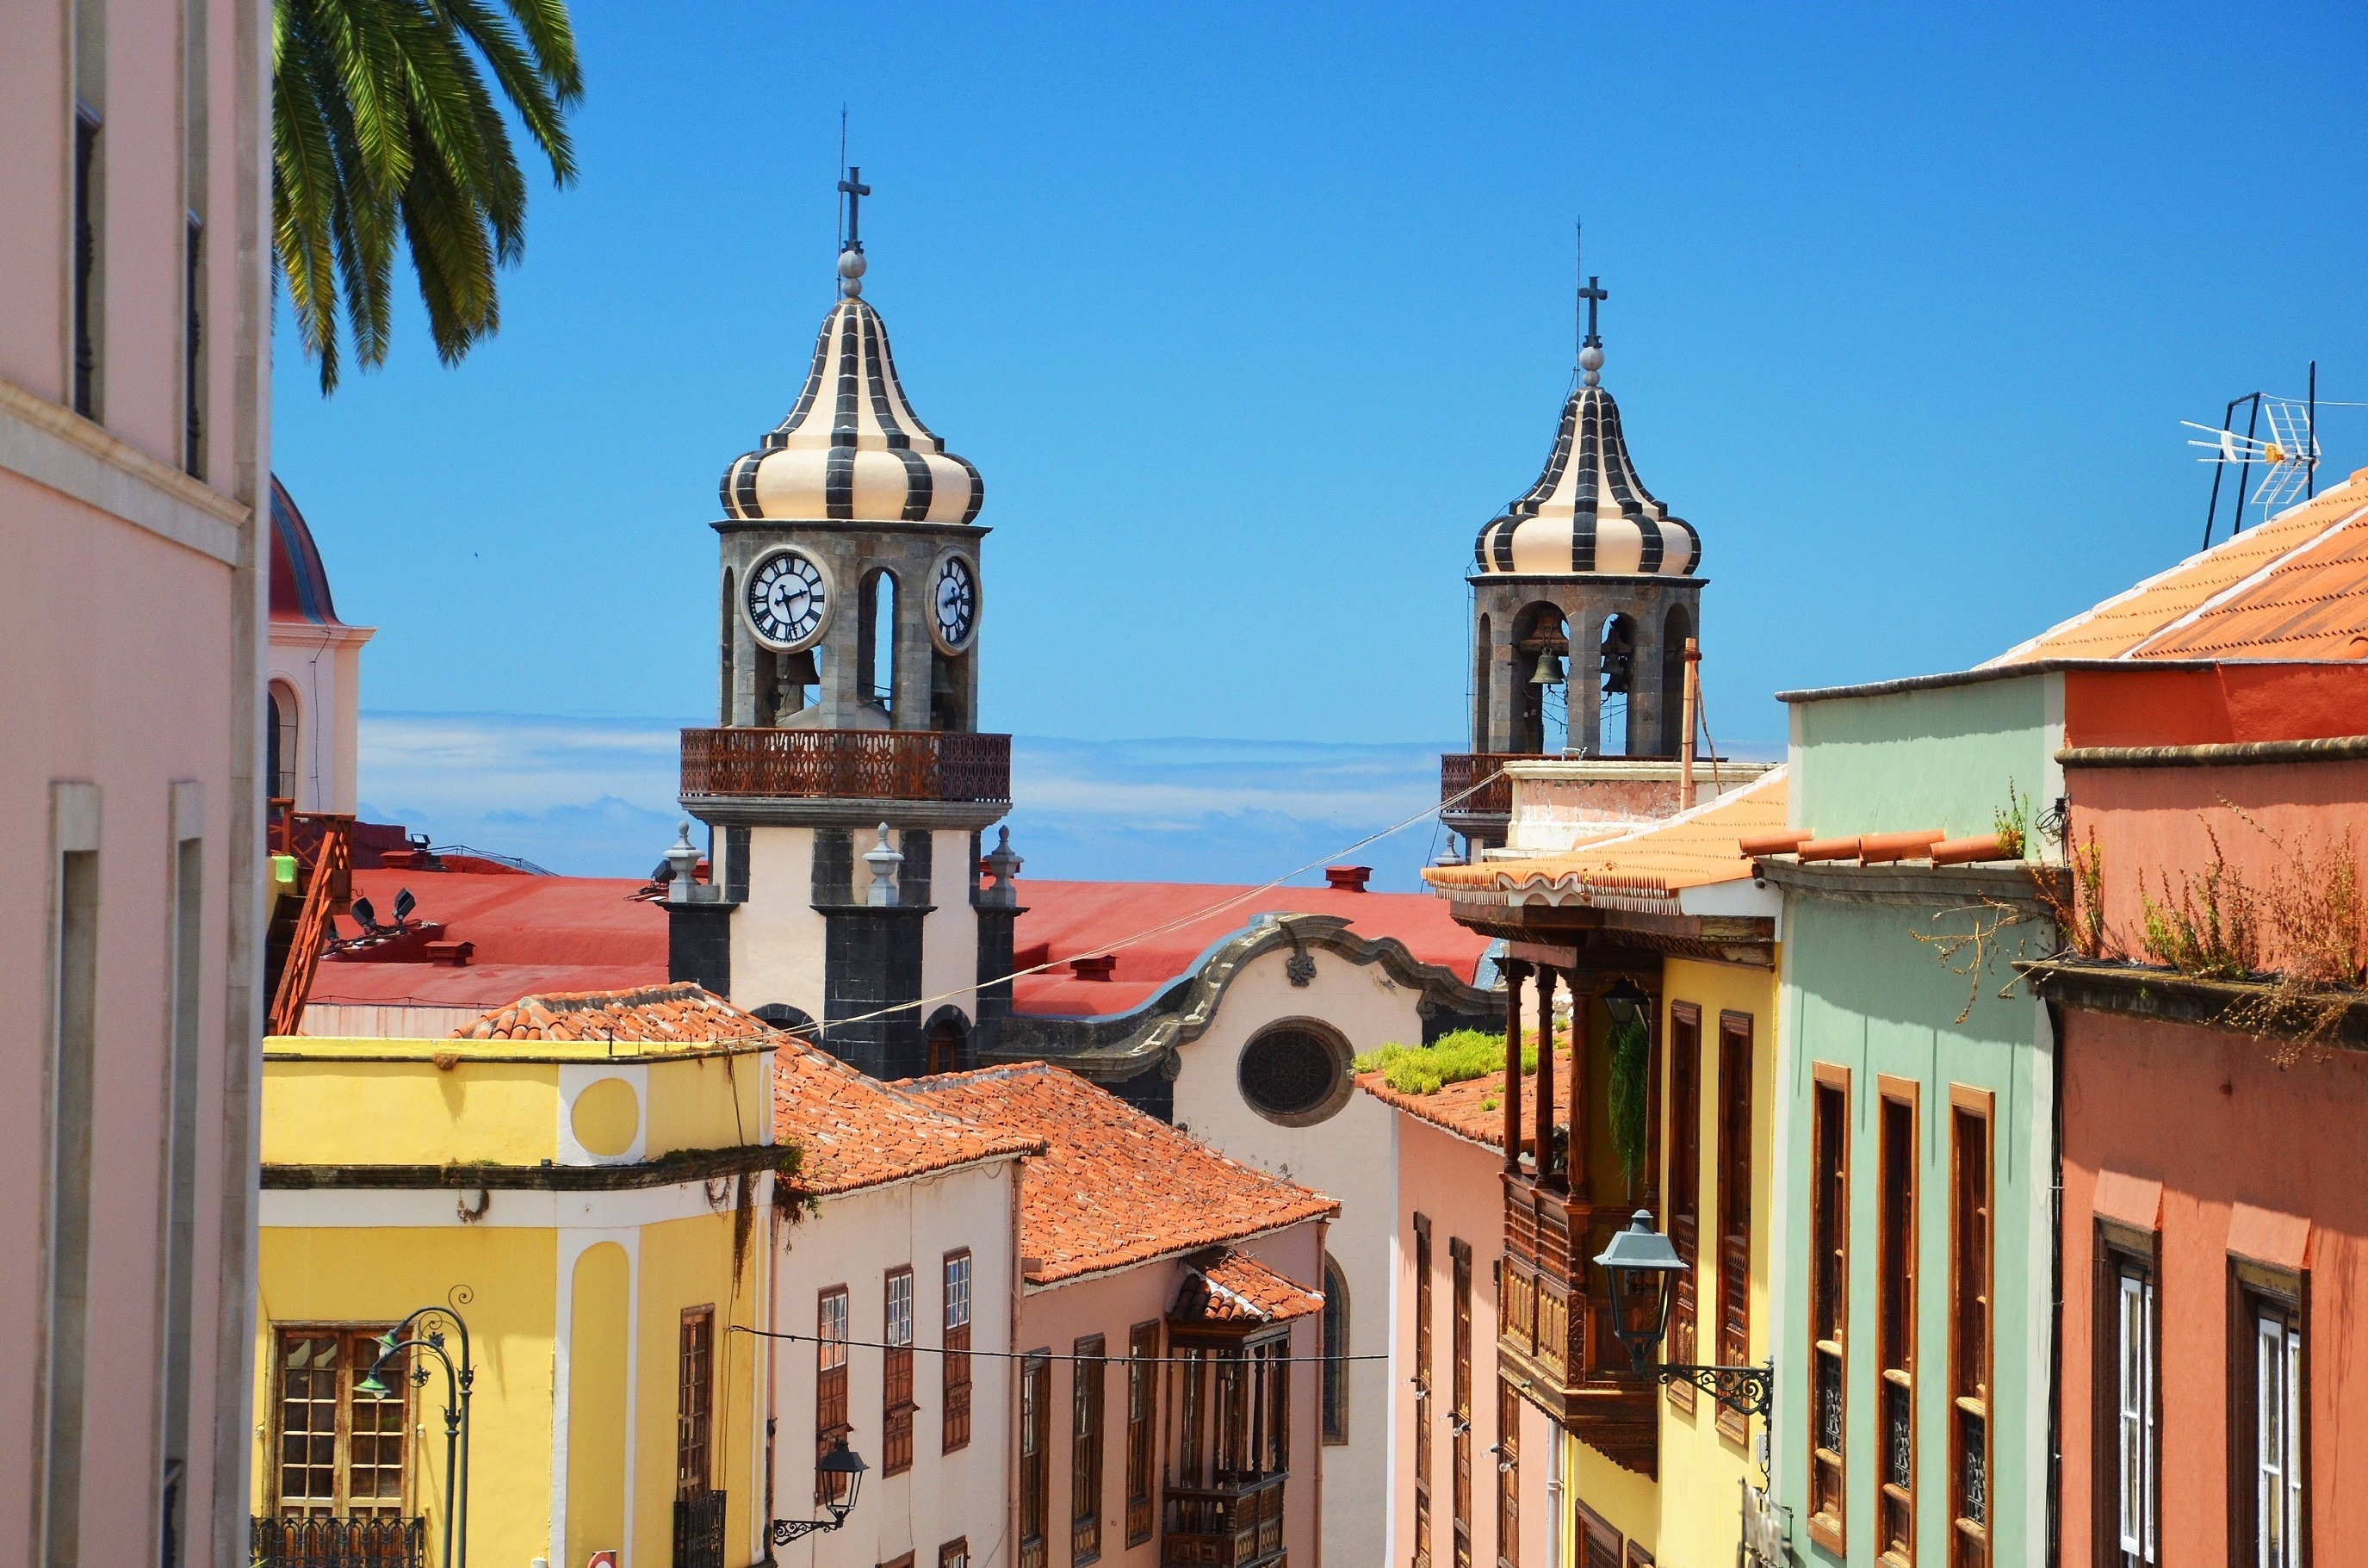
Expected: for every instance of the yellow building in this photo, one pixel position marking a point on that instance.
(1667, 919)
(591, 1180)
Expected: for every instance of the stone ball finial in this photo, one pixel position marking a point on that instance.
(1590, 359)
(852, 267)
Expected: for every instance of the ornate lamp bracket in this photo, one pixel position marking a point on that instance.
(1746, 1390)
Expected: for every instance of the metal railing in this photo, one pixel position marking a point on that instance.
(334, 1542)
(863, 765)
(699, 1531)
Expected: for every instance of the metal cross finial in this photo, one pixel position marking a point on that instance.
(853, 187)
(1594, 294)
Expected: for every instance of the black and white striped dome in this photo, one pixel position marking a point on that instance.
(852, 449)
(1588, 512)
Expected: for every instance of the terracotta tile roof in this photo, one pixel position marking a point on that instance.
(1475, 1109)
(1114, 1186)
(1646, 869)
(2280, 589)
(684, 1014)
(1225, 1286)
(858, 1131)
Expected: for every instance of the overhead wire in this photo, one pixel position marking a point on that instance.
(1032, 1354)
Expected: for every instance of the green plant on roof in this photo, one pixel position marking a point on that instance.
(2012, 824)
(1454, 1058)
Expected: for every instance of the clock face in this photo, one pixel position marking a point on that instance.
(953, 603)
(786, 600)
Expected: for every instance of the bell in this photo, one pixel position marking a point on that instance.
(798, 668)
(941, 679)
(1549, 670)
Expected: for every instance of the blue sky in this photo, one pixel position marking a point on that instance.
(1250, 317)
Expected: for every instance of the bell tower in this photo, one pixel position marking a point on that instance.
(846, 778)
(1584, 592)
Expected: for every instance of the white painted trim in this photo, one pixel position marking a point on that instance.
(573, 1245)
(576, 1078)
(54, 447)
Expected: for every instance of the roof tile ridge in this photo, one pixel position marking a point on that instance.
(2254, 580)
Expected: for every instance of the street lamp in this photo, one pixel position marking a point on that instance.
(459, 1384)
(1625, 1001)
(840, 1461)
(1644, 1268)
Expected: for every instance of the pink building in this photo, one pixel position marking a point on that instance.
(134, 310)
(1170, 1330)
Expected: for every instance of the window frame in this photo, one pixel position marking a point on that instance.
(1459, 1254)
(896, 1402)
(2125, 1256)
(1736, 1082)
(953, 1365)
(1972, 1276)
(1034, 1404)
(347, 1335)
(1684, 1189)
(1333, 1425)
(1424, 1297)
(1088, 1429)
(1898, 1241)
(1509, 1475)
(1142, 1430)
(834, 1412)
(694, 1404)
(954, 1553)
(1829, 1203)
(2259, 1293)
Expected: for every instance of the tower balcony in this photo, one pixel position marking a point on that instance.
(948, 765)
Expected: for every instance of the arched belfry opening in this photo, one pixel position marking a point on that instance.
(876, 641)
(1587, 565)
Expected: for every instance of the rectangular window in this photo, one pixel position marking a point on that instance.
(1459, 1253)
(2121, 1375)
(896, 1405)
(1829, 1300)
(694, 1403)
(89, 298)
(1734, 1203)
(954, 1554)
(2269, 1424)
(1141, 1426)
(1086, 1453)
(955, 1364)
(1599, 1545)
(1509, 1476)
(831, 1423)
(1422, 1435)
(1035, 1438)
(1894, 1329)
(338, 1448)
(176, 1237)
(195, 168)
(1971, 1238)
(1685, 1185)
(73, 1005)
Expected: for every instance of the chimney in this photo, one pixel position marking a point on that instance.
(1347, 878)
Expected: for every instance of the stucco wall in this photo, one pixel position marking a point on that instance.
(322, 666)
(2216, 1120)
(1940, 757)
(777, 937)
(1860, 992)
(1350, 1156)
(854, 1241)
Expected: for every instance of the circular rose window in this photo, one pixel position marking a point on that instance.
(1293, 1075)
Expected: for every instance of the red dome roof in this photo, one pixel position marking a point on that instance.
(300, 583)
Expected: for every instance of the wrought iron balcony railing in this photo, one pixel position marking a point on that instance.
(859, 765)
(699, 1531)
(338, 1542)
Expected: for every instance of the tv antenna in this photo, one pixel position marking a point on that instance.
(2288, 456)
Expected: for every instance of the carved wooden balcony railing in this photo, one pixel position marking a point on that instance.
(338, 1542)
(860, 765)
(1555, 1327)
(1236, 1524)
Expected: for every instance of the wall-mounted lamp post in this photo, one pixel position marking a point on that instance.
(840, 1461)
(1644, 1268)
(459, 1383)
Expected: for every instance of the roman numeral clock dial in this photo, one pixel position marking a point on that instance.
(953, 603)
(787, 600)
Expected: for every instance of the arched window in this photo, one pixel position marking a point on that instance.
(946, 1040)
(1335, 1352)
(876, 640)
(1675, 629)
(1541, 708)
(1619, 654)
(280, 749)
(1483, 669)
(781, 1016)
(723, 655)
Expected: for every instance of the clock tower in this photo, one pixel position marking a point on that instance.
(845, 779)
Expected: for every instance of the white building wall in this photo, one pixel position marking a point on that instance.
(777, 937)
(1350, 1156)
(321, 667)
(855, 1240)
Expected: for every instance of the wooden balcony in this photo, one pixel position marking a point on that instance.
(845, 765)
(1485, 815)
(1236, 1524)
(1554, 1328)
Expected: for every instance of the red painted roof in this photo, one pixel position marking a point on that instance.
(1082, 919)
(532, 935)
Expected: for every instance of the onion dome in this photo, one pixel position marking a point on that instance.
(300, 583)
(852, 449)
(1588, 512)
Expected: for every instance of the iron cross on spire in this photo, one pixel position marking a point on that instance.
(855, 190)
(1594, 294)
